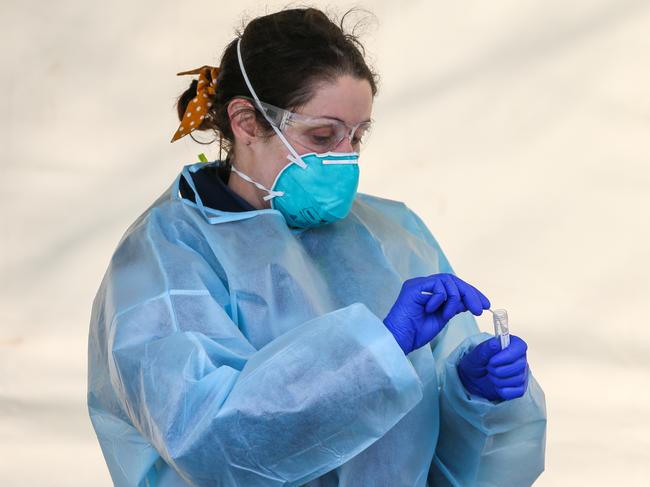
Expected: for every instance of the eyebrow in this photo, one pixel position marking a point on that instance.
(324, 116)
(343, 121)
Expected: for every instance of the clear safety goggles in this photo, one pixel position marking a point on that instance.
(319, 134)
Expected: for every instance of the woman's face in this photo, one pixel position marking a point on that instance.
(348, 99)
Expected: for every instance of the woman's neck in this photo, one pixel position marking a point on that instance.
(247, 190)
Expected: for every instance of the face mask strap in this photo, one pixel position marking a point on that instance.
(296, 158)
(271, 194)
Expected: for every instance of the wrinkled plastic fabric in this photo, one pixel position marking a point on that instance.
(498, 441)
(228, 349)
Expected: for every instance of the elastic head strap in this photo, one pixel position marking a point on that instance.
(296, 158)
(271, 194)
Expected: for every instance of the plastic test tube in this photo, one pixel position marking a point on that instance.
(500, 319)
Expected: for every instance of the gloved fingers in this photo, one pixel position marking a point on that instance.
(511, 353)
(472, 297)
(453, 304)
(479, 357)
(427, 331)
(514, 381)
(424, 289)
(439, 297)
(508, 370)
(474, 371)
(508, 393)
(484, 300)
(454, 310)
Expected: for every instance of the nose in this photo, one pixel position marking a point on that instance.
(345, 145)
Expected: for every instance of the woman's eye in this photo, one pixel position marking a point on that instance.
(321, 139)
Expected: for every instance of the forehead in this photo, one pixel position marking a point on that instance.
(348, 99)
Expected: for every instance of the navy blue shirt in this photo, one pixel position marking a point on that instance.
(211, 182)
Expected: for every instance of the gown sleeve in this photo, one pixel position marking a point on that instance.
(216, 409)
(481, 442)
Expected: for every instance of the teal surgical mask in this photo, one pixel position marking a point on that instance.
(321, 192)
(313, 189)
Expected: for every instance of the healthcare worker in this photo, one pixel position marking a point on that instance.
(264, 324)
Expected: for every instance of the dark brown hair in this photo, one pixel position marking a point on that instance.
(286, 54)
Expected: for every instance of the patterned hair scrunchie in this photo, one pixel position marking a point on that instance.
(198, 107)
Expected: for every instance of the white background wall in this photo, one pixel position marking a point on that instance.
(518, 130)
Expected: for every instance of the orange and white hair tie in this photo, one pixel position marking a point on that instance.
(198, 107)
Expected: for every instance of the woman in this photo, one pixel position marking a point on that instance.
(263, 324)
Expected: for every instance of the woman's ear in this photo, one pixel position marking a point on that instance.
(242, 120)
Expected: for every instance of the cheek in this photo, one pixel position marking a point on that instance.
(280, 162)
(274, 160)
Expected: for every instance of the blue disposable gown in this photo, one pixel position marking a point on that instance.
(228, 349)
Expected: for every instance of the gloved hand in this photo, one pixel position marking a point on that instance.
(495, 374)
(415, 318)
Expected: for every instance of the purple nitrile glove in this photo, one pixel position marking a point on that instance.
(416, 318)
(495, 374)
